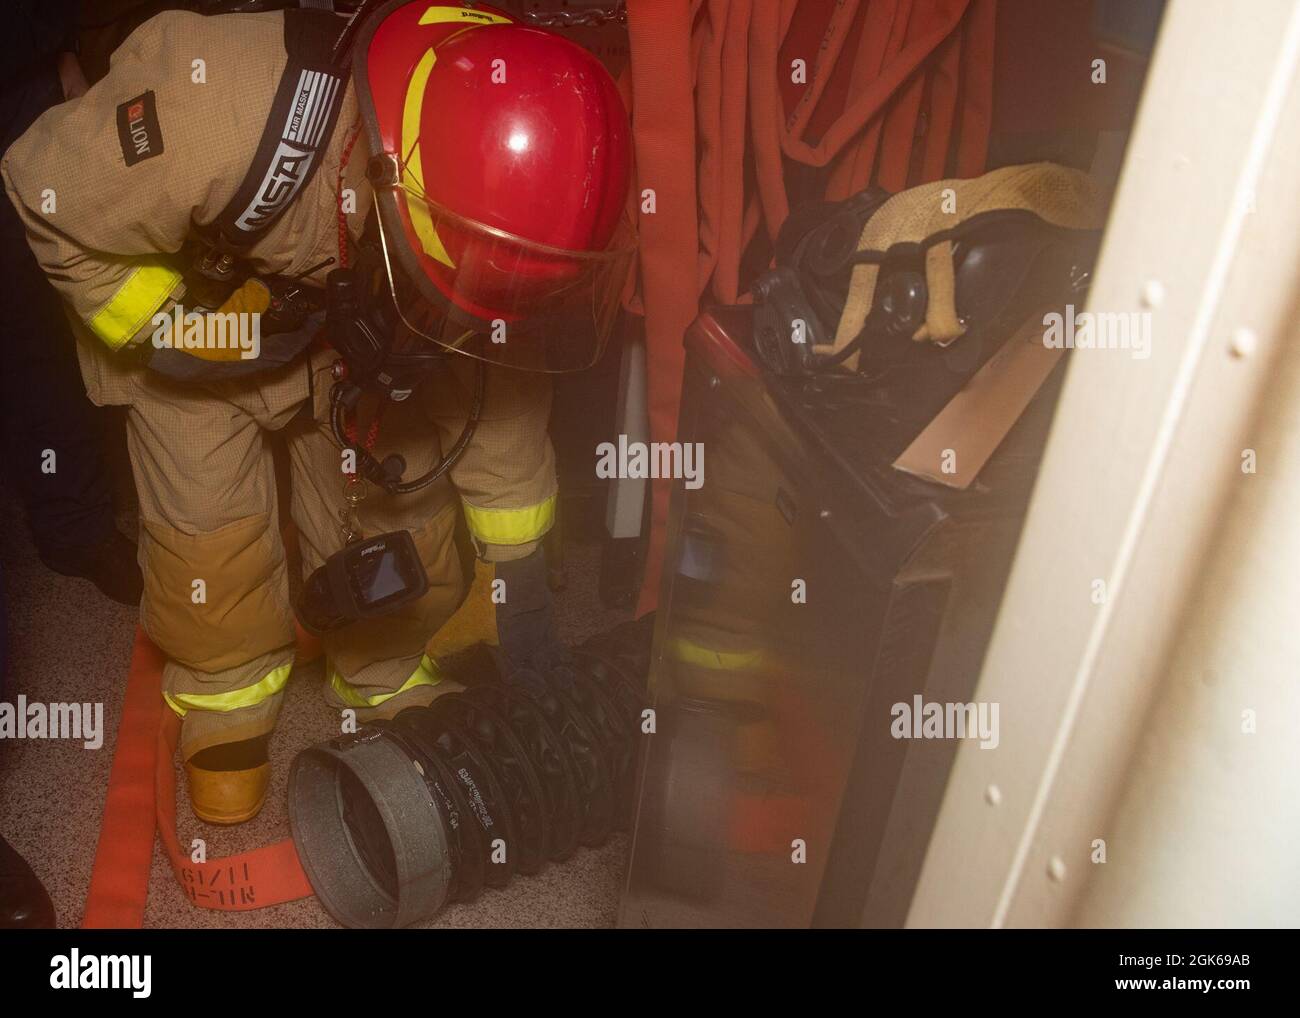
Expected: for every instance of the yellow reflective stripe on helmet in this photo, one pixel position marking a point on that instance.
(247, 696)
(421, 221)
(443, 13)
(718, 660)
(510, 526)
(144, 292)
(425, 675)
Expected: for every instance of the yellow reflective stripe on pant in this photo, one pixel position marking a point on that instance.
(248, 696)
(510, 526)
(425, 675)
(145, 291)
(707, 657)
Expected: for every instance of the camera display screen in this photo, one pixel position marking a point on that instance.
(378, 575)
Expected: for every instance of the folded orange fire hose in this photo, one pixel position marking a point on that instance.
(142, 799)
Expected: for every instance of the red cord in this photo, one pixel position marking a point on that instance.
(354, 132)
(372, 433)
(353, 135)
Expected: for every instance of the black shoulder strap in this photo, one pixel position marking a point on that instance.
(297, 131)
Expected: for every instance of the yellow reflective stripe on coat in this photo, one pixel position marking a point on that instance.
(425, 675)
(719, 660)
(511, 526)
(248, 696)
(145, 291)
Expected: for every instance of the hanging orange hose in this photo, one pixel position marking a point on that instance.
(729, 95)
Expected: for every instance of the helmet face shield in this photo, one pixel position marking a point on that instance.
(562, 304)
(500, 162)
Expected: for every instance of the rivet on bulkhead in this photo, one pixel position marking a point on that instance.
(1153, 293)
(1243, 343)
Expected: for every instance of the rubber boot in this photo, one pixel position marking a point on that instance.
(24, 902)
(228, 783)
(109, 564)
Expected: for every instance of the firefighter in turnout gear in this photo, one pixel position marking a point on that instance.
(470, 174)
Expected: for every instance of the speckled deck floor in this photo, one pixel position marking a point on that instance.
(69, 644)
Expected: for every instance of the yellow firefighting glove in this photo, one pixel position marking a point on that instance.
(253, 332)
(221, 335)
(517, 626)
(474, 622)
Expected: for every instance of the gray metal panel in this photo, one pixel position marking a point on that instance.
(626, 500)
(756, 698)
(773, 718)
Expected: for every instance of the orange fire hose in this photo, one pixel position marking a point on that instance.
(142, 799)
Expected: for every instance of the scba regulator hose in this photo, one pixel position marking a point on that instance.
(405, 816)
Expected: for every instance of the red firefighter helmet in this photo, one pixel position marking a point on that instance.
(500, 163)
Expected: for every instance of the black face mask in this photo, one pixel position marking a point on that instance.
(1005, 261)
(368, 579)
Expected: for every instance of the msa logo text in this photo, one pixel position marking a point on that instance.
(102, 972)
(306, 124)
(281, 183)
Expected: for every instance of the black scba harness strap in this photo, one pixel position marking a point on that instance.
(298, 129)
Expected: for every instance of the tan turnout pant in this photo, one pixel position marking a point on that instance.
(216, 596)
